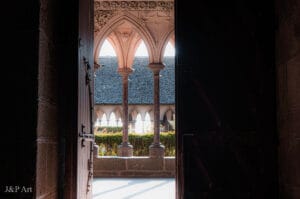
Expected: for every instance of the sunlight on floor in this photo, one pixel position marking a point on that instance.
(134, 188)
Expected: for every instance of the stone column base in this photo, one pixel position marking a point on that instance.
(156, 150)
(125, 150)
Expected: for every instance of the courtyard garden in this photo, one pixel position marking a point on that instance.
(109, 138)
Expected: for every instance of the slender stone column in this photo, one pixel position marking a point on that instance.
(133, 125)
(125, 149)
(156, 149)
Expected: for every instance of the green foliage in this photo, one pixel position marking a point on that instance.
(109, 129)
(108, 143)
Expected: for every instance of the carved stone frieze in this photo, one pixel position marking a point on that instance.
(102, 17)
(134, 5)
(105, 10)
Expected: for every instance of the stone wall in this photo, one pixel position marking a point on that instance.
(47, 129)
(58, 49)
(107, 166)
(288, 87)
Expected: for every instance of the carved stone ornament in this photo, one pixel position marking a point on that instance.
(102, 17)
(105, 10)
(134, 5)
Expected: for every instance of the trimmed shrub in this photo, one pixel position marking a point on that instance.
(109, 129)
(108, 143)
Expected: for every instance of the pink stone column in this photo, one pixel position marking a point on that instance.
(125, 149)
(156, 149)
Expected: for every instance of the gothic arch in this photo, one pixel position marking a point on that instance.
(125, 46)
(116, 21)
(118, 113)
(169, 36)
(169, 114)
(99, 113)
(134, 114)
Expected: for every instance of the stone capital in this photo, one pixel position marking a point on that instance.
(156, 67)
(96, 66)
(125, 71)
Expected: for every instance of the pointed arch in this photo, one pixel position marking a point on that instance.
(134, 114)
(116, 21)
(104, 120)
(169, 37)
(125, 49)
(169, 50)
(141, 43)
(109, 47)
(169, 115)
(139, 125)
(118, 113)
(112, 120)
(147, 123)
(99, 113)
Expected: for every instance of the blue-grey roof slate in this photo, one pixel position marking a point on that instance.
(108, 82)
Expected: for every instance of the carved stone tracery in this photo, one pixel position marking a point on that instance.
(105, 10)
(134, 5)
(101, 18)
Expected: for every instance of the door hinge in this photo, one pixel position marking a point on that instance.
(85, 136)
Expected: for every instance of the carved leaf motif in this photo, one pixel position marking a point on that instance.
(105, 10)
(106, 4)
(124, 4)
(97, 5)
(143, 4)
(152, 4)
(134, 5)
(101, 18)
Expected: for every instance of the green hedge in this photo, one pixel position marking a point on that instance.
(108, 143)
(109, 129)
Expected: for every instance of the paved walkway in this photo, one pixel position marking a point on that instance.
(134, 188)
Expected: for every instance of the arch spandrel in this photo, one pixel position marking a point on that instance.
(169, 37)
(114, 24)
(121, 46)
(126, 41)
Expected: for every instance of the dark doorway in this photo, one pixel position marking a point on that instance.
(225, 97)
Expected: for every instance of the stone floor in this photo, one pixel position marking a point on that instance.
(134, 188)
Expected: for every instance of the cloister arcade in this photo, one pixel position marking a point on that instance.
(139, 115)
(125, 24)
